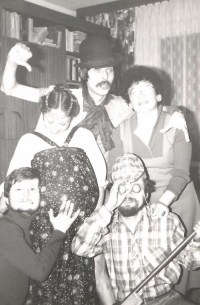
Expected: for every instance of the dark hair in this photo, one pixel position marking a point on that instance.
(60, 97)
(83, 73)
(20, 174)
(138, 74)
(149, 187)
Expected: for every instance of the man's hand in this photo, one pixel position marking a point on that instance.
(197, 230)
(64, 219)
(19, 55)
(115, 198)
(177, 121)
(158, 210)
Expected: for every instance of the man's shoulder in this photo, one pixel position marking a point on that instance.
(174, 219)
(77, 93)
(117, 100)
(83, 132)
(6, 222)
(9, 229)
(118, 110)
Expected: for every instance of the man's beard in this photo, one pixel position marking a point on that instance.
(28, 212)
(128, 211)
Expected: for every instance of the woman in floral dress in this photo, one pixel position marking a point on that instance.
(71, 167)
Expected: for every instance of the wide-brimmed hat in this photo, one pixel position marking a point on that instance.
(128, 168)
(96, 52)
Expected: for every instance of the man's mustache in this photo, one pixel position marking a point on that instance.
(132, 199)
(105, 82)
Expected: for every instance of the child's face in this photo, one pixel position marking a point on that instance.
(56, 121)
(24, 196)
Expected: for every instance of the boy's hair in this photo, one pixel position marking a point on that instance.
(23, 173)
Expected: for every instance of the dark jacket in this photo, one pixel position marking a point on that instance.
(18, 262)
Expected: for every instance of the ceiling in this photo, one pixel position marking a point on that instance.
(75, 4)
(68, 6)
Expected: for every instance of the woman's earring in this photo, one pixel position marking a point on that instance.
(159, 98)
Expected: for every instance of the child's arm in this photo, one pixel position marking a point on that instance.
(14, 247)
(19, 55)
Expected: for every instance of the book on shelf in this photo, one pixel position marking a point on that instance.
(17, 26)
(54, 38)
(44, 36)
(72, 71)
(48, 40)
(29, 29)
(8, 24)
(78, 37)
(22, 28)
(69, 40)
(49, 44)
(11, 26)
(39, 34)
(3, 22)
(73, 40)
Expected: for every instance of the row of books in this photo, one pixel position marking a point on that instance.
(22, 28)
(72, 71)
(16, 26)
(42, 35)
(73, 40)
(11, 24)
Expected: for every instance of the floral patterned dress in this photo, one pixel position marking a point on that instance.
(66, 172)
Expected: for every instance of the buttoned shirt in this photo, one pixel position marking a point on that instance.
(131, 256)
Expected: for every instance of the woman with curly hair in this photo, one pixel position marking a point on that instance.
(167, 156)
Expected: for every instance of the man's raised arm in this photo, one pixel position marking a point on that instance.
(19, 55)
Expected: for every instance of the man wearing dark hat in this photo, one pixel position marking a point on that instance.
(133, 241)
(101, 112)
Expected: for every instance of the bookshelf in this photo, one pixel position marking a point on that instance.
(72, 71)
(27, 29)
(49, 65)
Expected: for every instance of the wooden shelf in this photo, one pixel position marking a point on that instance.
(74, 54)
(70, 22)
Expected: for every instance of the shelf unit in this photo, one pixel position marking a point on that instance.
(72, 71)
(17, 116)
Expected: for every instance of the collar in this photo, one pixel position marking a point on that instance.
(21, 220)
(97, 119)
(145, 214)
(134, 116)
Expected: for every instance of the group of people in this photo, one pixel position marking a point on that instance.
(84, 138)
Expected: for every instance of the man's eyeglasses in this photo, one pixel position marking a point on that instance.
(135, 188)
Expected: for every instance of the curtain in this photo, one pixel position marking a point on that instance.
(167, 37)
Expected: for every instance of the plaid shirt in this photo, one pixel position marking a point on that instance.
(130, 257)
